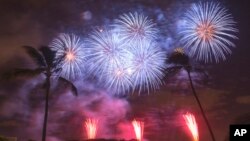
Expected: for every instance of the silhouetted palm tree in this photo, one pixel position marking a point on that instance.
(181, 61)
(47, 65)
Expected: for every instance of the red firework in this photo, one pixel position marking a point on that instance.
(192, 125)
(138, 128)
(91, 128)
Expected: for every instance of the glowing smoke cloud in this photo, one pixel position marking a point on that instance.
(69, 48)
(134, 27)
(207, 31)
(138, 128)
(192, 125)
(91, 128)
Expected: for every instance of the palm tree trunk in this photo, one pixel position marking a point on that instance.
(46, 108)
(200, 106)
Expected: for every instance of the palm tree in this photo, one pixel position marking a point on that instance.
(181, 61)
(48, 66)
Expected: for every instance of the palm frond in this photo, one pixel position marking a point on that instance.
(70, 84)
(25, 73)
(179, 59)
(174, 68)
(202, 71)
(171, 71)
(48, 54)
(57, 70)
(57, 63)
(35, 55)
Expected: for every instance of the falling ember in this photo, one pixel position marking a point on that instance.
(91, 128)
(192, 125)
(138, 128)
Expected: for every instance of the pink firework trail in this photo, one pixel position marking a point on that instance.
(91, 128)
(138, 128)
(192, 125)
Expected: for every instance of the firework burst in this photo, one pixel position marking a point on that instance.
(208, 31)
(192, 125)
(121, 66)
(69, 48)
(119, 79)
(147, 65)
(134, 27)
(109, 59)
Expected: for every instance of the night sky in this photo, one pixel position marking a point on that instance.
(224, 92)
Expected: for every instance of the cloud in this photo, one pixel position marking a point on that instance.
(243, 100)
(24, 110)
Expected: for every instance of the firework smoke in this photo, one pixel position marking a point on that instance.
(138, 128)
(66, 113)
(192, 125)
(206, 32)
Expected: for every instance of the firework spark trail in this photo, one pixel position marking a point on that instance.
(134, 27)
(138, 129)
(69, 48)
(148, 64)
(208, 31)
(192, 125)
(91, 128)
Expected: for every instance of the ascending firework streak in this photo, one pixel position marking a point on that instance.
(69, 49)
(134, 27)
(138, 129)
(192, 125)
(208, 31)
(91, 128)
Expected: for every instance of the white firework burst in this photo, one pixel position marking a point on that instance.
(147, 65)
(118, 79)
(208, 31)
(108, 59)
(70, 49)
(134, 27)
(121, 66)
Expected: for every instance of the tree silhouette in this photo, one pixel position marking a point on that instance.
(46, 65)
(181, 61)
